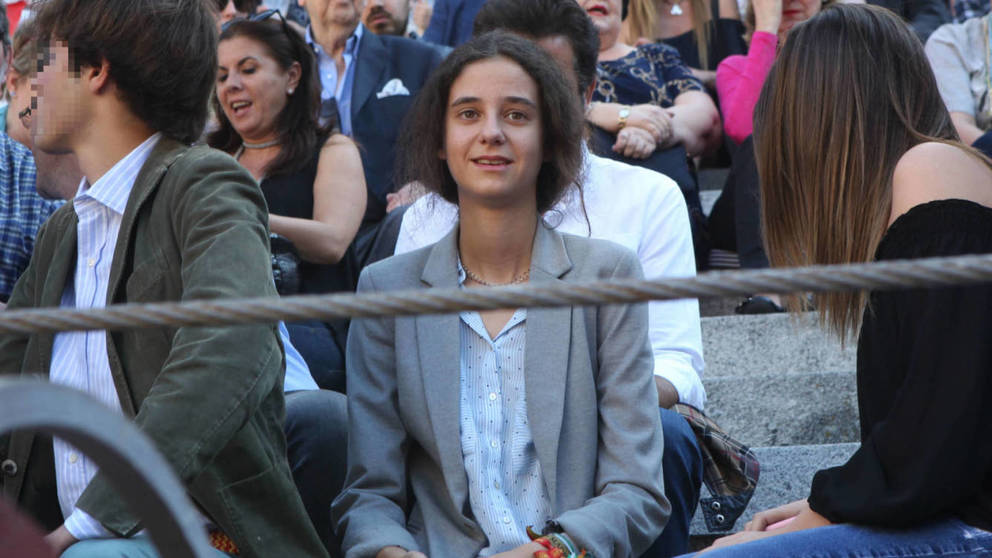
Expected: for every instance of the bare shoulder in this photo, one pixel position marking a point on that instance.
(729, 9)
(938, 171)
(338, 142)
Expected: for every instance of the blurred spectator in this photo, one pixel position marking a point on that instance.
(703, 31)
(368, 81)
(963, 10)
(23, 65)
(451, 22)
(22, 209)
(650, 111)
(924, 16)
(230, 9)
(959, 56)
(403, 18)
(267, 101)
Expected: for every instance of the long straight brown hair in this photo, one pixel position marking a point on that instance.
(643, 17)
(850, 92)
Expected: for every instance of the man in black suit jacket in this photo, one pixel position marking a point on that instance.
(381, 76)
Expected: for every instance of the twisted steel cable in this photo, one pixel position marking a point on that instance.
(905, 274)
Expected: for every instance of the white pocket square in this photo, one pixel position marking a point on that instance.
(393, 87)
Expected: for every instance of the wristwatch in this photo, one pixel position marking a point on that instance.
(622, 116)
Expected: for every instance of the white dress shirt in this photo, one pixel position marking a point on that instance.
(505, 482)
(632, 206)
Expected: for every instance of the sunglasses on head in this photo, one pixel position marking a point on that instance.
(260, 16)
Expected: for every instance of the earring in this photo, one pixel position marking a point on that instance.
(290, 91)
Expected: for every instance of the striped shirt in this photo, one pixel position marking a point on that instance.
(79, 358)
(506, 486)
(22, 211)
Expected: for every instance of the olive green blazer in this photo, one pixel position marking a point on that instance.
(210, 398)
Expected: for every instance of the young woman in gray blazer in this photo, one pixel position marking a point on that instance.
(466, 429)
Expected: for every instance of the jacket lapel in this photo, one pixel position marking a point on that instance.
(165, 152)
(440, 364)
(369, 66)
(61, 270)
(546, 357)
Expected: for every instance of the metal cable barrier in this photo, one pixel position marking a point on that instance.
(147, 483)
(904, 274)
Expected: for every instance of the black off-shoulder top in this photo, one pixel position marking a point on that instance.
(924, 378)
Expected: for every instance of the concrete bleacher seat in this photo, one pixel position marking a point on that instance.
(786, 388)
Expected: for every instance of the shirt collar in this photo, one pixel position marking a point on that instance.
(350, 46)
(114, 188)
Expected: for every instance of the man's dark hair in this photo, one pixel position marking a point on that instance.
(162, 54)
(561, 118)
(297, 123)
(540, 19)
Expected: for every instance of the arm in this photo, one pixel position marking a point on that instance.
(696, 122)
(339, 198)
(738, 84)
(965, 126)
(666, 250)
(651, 118)
(629, 508)
(370, 513)
(953, 75)
(215, 378)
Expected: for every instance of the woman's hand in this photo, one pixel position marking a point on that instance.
(399, 552)
(635, 143)
(653, 119)
(59, 540)
(767, 15)
(762, 520)
(522, 551)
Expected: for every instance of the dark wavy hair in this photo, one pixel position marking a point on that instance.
(540, 19)
(162, 54)
(298, 124)
(561, 118)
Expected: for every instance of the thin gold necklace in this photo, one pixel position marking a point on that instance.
(518, 279)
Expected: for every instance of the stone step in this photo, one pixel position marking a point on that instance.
(786, 474)
(771, 344)
(785, 410)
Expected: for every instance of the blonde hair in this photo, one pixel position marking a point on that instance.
(829, 131)
(643, 17)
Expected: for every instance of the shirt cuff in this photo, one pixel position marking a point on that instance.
(82, 526)
(684, 378)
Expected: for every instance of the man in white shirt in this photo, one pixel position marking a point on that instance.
(153, 220)
(632, 206)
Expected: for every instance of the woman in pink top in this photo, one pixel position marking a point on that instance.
(739, 78)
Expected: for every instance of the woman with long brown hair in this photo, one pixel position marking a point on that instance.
(859, 161)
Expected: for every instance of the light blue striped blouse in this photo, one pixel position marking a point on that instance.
(506, 486)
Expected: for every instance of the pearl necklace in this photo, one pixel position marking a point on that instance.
(518, 279)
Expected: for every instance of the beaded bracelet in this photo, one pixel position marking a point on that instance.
(556, 545)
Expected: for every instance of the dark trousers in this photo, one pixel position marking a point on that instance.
(735, 222)
(683, 476)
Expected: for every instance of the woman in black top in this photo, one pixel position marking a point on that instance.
(267, 103)
(884, 177)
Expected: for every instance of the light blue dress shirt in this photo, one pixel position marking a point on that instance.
(329, 79)
(506, 486)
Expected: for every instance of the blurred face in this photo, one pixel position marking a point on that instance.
(561, 50)
(605, 14)
(493, 134)
(326, 16)
(229, 12)
(796, 11)
(60, 107)
(20, 99)
(386, 17)
(252, 88)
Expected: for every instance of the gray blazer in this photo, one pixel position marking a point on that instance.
(591, 402)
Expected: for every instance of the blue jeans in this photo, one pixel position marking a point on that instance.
(137, 547)
(946, 537)
(682, 466)
(316, 445)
